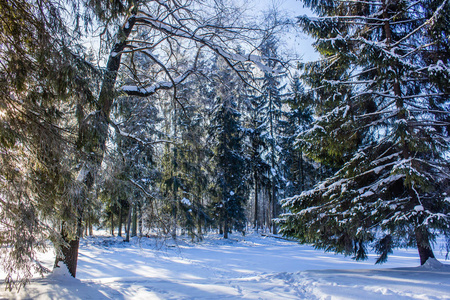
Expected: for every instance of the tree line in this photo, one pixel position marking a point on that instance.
(185, 118)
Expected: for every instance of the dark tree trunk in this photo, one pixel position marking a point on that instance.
(255, 220)
(127, 237)
(173, 232)
(97, 124)
(274, 210)
(302, 175)
(225, 229)
(134, 225)
(264, 218)
(91, 228)
(112, 224)
(140, 219)
(120, 221)
(70, 249)
(423, 245)
(199, 228)
(70, 254)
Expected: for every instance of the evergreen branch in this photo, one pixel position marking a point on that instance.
(428, 22)
(370, 92)
(140, 187)
(361, 2)
(421, 47)
(335, 82)
(424, 96)
(438, 167)
(334, 18)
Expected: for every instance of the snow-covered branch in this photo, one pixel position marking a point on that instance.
(140, 187)
(430, 21)
(133, 90)
(137, 139)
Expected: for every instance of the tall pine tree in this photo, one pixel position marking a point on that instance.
(299, 172)
(270, 102)
(230, 162)
(43, 75)
(382, 101)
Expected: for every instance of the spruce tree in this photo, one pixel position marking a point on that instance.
(43, 74)
(230, 162)
(299, 172)
(184, 169)
(382, 104)
(194, 157)
(130, 162)
(270, 109)
(259, 168)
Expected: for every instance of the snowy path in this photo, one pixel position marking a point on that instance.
(251, 267)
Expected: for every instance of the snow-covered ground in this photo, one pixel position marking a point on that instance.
(249, 267)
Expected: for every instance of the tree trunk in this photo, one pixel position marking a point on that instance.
(127, 238)
(70, 256)
(120, 221)
(274, 211)
(91, 228)
(140, 221)
(112, 224)
(302, 175)
(199, 216)
(70, 249)
(255, 220)
(134, 225)
(387, 26)
(93, 133)
(173, 232)
(225, 229)
(199, 229)
(264, 219)
(423, 245)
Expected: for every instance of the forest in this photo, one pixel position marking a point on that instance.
(182, 117)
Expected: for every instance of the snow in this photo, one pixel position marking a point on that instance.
(60, 273)
(149, 90)
(433, 264)
(418, 208)
(367, 194)
(186, 201)
(242, 267)
(83, 173)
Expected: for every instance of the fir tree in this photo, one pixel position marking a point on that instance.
(258, 166)
(230, 162)
(184, 170)
(130, 162)
(270, 102)
(380, 124)
(43, 75)
(193, 157)
(298, 171)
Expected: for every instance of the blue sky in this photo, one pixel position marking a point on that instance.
(294, 42)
